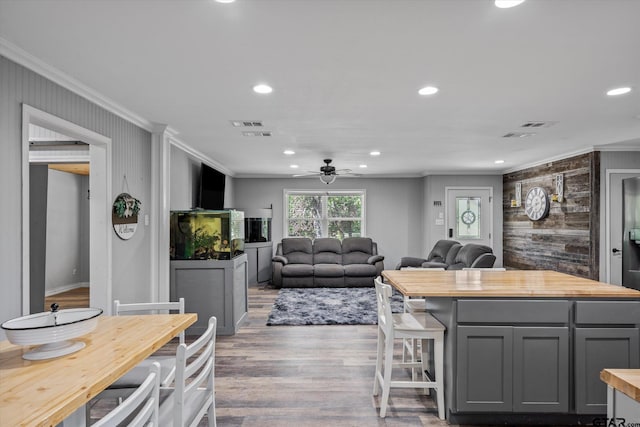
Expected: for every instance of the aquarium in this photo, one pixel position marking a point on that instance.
(257, 225)
(206, 234)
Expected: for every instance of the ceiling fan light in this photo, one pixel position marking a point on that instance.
(328, 179)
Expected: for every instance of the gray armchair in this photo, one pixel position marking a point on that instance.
(442, 254)
(473, 256)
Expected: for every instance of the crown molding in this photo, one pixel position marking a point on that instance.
(549, 160)
(27, 60)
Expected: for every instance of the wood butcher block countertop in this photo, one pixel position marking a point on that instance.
(626, 381)
(506, 284)
(45, 392)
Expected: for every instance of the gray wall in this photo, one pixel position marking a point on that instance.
(393, 208)
(434, 190)
(66, 236)
(185, 181)
(38, 177)
(131, 156)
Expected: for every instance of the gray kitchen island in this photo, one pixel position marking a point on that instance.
(527, 347)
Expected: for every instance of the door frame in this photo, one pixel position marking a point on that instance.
(607, 218)
(464, 187)
(99, 216)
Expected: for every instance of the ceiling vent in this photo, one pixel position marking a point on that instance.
(518, 134)
(246, 123)
(538, 124)
(256, 133)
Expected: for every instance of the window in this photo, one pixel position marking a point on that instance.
(315, 214)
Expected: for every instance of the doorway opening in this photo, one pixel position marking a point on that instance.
(99, 154)
(59, 172)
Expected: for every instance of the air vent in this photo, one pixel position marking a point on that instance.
(246, 123)
(538, 124)
(256, 133)
(518, 134)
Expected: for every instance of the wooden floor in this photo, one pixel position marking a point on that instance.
(304, 376)
(75, 298)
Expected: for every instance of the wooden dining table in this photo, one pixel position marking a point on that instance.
(46, 392)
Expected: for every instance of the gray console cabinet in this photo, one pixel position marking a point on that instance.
(259, 257)
(212, 288)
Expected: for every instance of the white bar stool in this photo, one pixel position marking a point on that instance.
(422, 327)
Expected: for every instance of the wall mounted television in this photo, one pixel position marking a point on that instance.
(211, 188)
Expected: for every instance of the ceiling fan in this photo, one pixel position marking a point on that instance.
(328, 173)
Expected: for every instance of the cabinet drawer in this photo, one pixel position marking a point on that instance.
(513, 311)
(608, 312)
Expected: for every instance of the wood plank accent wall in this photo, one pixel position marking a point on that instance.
(567, 240)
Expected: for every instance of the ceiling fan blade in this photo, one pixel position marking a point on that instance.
(308, 173)
(349, 174)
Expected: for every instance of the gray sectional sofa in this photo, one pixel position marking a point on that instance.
(326, 262)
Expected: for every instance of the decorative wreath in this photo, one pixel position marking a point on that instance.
(126, 206)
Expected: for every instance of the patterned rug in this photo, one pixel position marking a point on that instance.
(327, 306)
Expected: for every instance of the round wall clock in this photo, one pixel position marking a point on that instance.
(536, 205)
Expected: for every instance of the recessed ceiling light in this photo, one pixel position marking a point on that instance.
(504, 4)
(428, 90)
(289, 152)
(294, 166)
(262, 88)
(618, 91)
(374, 153)
(499, 162)
(363, 166)
(225, 1)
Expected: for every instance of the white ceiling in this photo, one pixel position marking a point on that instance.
(346, 73)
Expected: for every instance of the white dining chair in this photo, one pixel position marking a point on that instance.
(193, 392)
(141, 407)
(126, 384)
(422, 326)
(167, 362)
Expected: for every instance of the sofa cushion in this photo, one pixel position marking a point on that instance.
(360, 270)
(328, 270)
(297, 250)
(356, 250)
(327, 251)
(297, 270)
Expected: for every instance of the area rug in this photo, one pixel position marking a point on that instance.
(327, 306)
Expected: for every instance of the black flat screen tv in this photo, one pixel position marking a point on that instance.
(211, 188)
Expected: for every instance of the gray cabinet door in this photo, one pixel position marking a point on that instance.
(484, 374)
(264, 263)
(597, 349)
(541, 369)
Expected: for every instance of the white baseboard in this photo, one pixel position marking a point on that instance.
(65, 288)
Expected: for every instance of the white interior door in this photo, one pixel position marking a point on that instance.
(614, 218)
(469, 214)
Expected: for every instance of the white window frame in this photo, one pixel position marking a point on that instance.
(324, 219)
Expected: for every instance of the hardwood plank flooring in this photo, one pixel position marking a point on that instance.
(74, 298)
(305, 376)
(308, 376)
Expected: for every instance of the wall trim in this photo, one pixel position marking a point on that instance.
(65, 288)
(550, 160)
(100, 213)
(607, 209)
